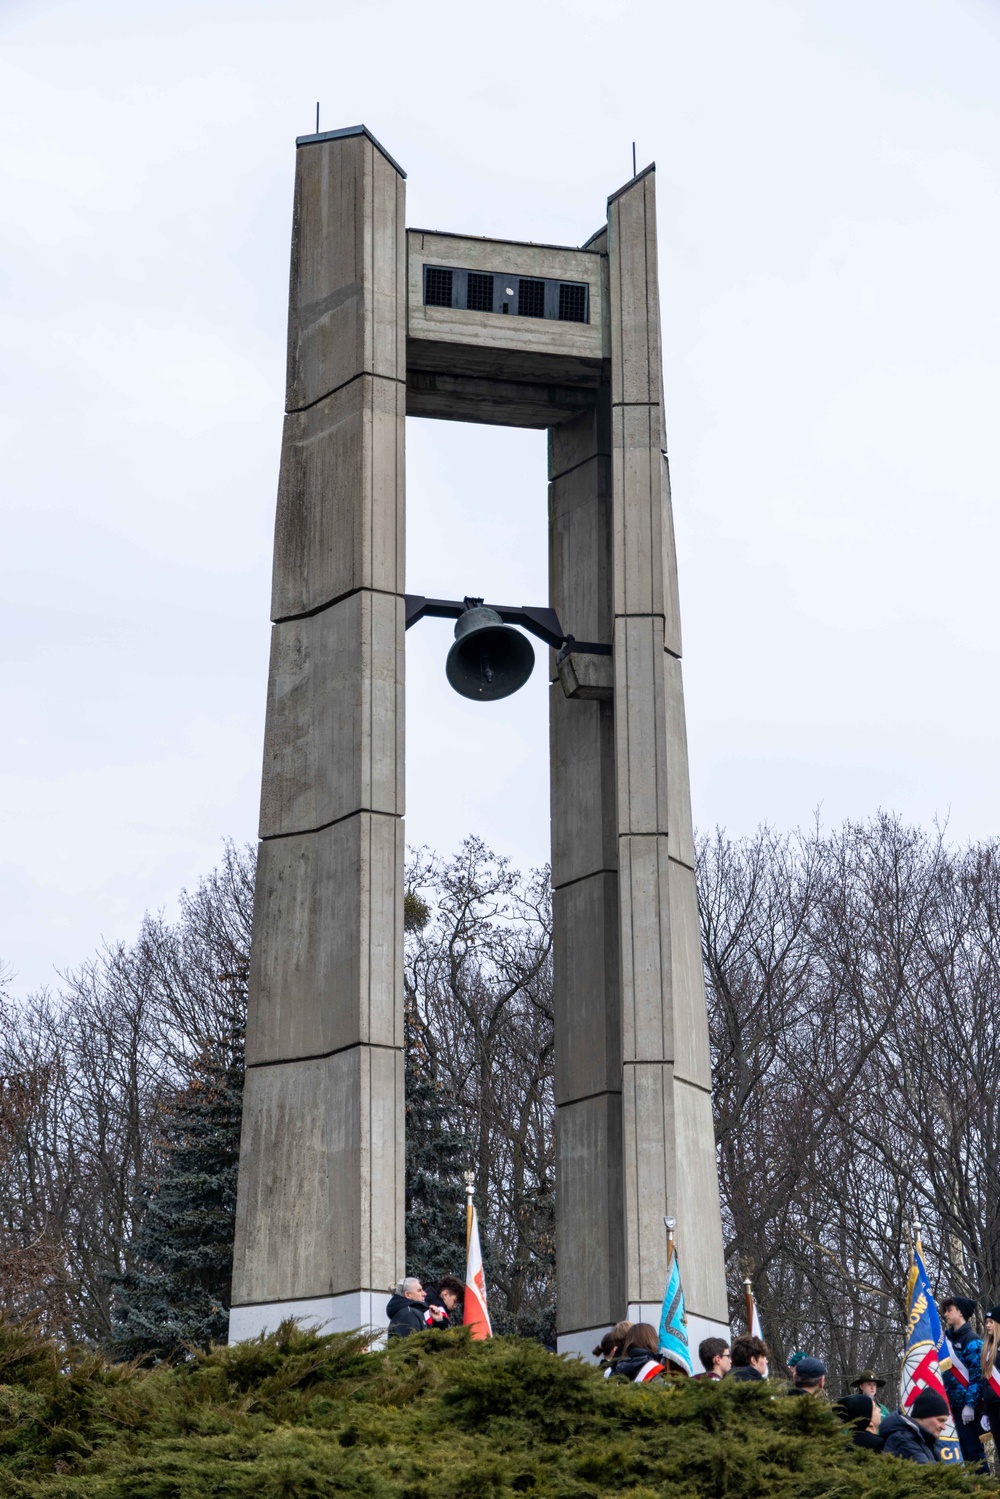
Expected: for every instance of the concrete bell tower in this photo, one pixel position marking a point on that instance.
(385, 321)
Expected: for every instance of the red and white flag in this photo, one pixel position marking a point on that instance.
(476, 1314)
(753, 1319)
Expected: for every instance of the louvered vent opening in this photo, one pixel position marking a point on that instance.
(480, 297)
(437, 286)
(572, 302)
(495, 291)
(530, 298)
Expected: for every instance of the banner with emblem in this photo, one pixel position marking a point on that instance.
(673, 1323)
(926, 1356)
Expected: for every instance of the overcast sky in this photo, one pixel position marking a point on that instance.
(829, 231)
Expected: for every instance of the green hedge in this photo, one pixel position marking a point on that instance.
(296, 1416)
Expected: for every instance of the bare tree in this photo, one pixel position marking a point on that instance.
(478, 984)
(94, 1064)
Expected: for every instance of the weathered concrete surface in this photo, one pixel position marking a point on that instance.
(320, 1209)
(632, 1058)
(334, 728)
(587, 677)
(325, 1141)
(667, 1132)
(347, 297)
(340, 521)
(589, 1240)
(326, 959)
(590, 1226)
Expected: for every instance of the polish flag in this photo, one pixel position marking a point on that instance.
(476, 1314)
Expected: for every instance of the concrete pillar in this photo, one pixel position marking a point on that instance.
(590, 1237)
(320, 1206)
(635, 1139)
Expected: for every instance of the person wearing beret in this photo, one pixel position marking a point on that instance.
(963, 1398)
(915, 1436)
(809, 1376)
(869, 1383)
(864, 1416)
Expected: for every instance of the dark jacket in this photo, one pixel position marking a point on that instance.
(632, 1363)
(970, 1350)
(873, 1440)
(989, 1404)
(406, 1316)
(433, 1298)
(744, 1371)
(904, 1438)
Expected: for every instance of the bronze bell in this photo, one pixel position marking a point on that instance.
(489, 659)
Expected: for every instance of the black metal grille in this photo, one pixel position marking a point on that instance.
(480, 297)
(437, 286)
(530, 298)
(572, 302)
(498, 291)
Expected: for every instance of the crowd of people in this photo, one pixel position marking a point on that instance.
(631, 1351)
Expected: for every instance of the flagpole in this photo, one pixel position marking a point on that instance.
(470, 1188)
(748, 1301)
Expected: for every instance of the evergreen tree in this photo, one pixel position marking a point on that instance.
(175, 1290)
(435, 1190)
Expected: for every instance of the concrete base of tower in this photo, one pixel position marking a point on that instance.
(347, 1313)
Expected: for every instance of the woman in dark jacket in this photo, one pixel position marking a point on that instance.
(641, 1362)
(989, 1398)
(864, 1417)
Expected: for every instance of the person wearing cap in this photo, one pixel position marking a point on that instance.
(915, 1436)
(864, 1416)
(869, 1383)
(809, 1376)
(963, 1396)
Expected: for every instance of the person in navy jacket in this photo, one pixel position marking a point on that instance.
(964, 1397)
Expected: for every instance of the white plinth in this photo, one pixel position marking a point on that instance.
(320, 1314)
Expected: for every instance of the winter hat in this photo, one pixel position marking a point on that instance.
(808, 1369)
(928, 1403)
(994, 1314)
(965, 1305)
(857, 1409)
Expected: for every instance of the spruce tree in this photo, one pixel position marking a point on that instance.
(435, 1190)
(175, 1289)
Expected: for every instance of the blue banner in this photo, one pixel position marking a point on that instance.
(926, 1356)
(673, 1326)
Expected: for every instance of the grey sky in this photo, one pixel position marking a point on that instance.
(829, 218)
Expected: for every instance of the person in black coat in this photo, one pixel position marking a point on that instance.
(750, 1356)
(809, 1377)
(642, 1362)
(916, 1436)
(864, 1417)
(989, 1400)
(449, 1295)
(408, 1311)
